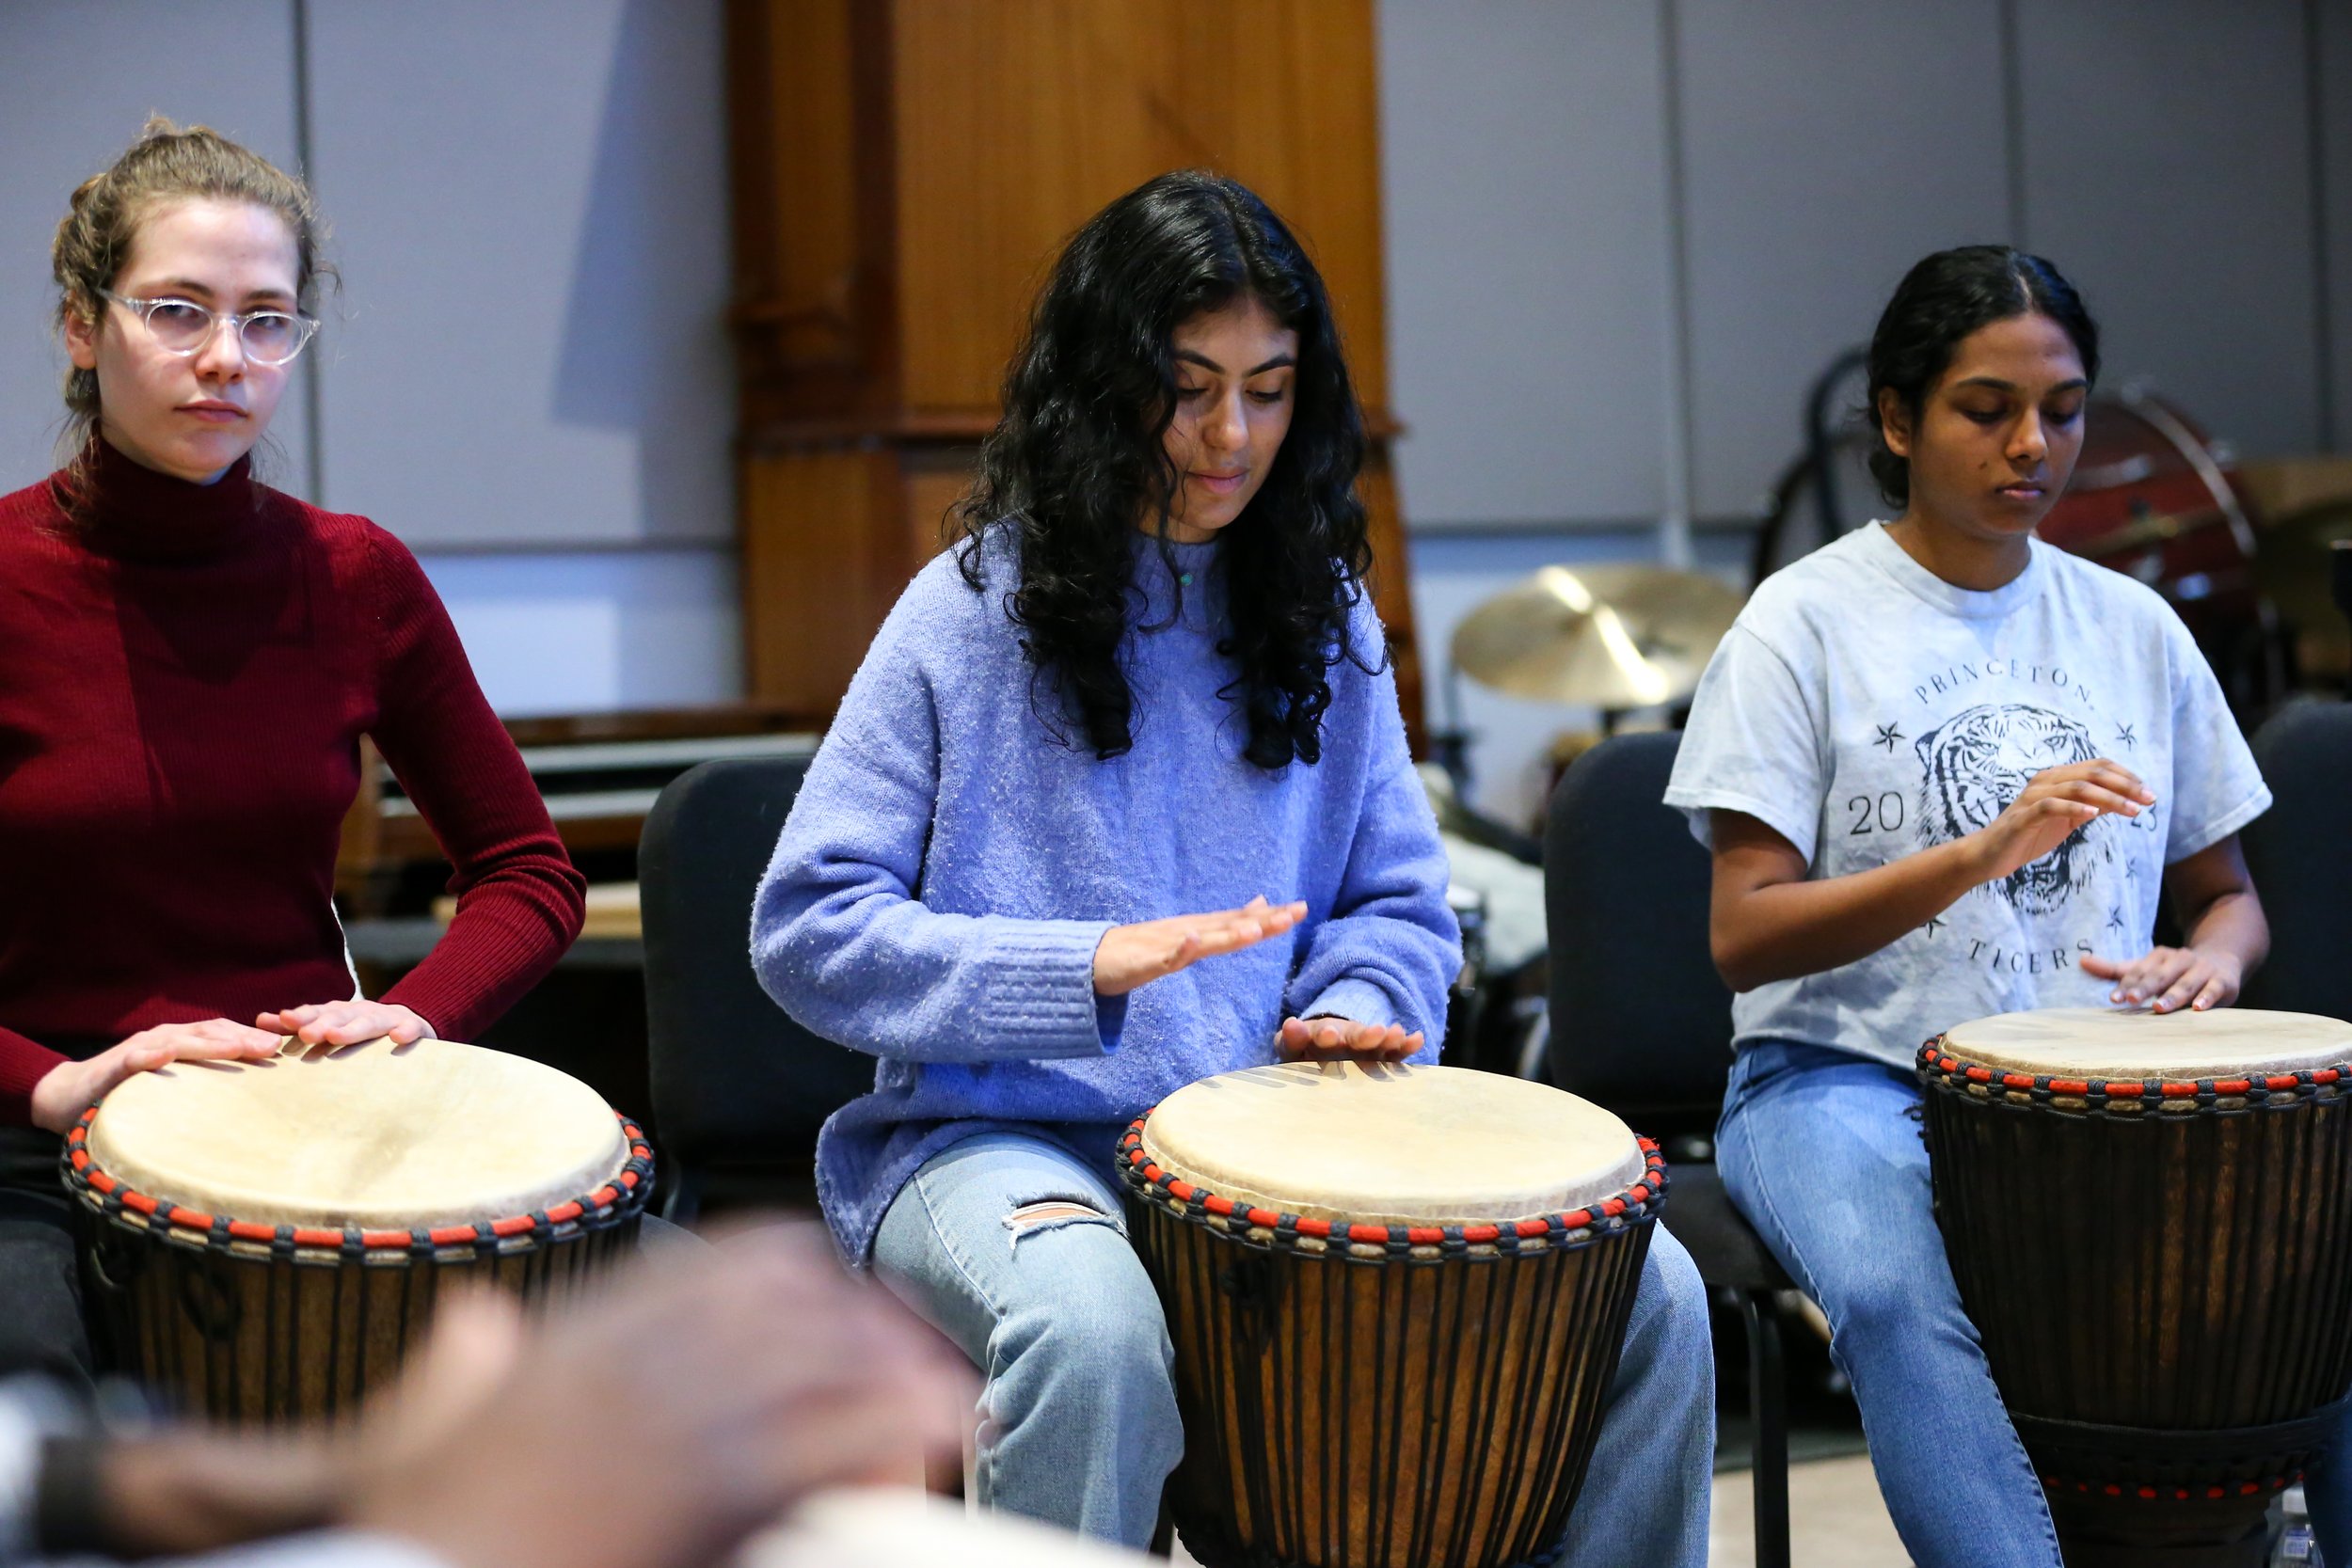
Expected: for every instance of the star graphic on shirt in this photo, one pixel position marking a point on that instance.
(1887, 735)
(2115, 917)
(2131, 871)
(1934, 922)
(2123, 734)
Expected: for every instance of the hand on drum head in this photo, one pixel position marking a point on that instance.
(1129, 956)
(2053, 804)
(1342, 1040)
(65, 1090)
(662, 1422)
(347, 1024)
(2169, 978)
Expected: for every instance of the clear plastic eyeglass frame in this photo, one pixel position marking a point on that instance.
(303, 326)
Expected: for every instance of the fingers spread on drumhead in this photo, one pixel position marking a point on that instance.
(2179, 992)
(2152, 971)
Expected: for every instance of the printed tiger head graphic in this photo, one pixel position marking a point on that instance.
(1977, 761)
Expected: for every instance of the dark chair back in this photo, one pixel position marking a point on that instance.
(1641, 1022)
(2300, 853)
(733, 1077)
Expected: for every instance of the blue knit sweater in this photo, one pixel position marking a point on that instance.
(949, 867)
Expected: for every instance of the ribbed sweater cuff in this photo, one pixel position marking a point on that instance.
(1037, 1000)
(1359, 1000)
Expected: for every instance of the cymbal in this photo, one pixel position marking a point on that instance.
(1607, 637)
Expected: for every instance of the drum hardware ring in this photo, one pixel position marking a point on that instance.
(2159, 1447)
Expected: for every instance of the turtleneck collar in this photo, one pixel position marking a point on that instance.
(136, 513)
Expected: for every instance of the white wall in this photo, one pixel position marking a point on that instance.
(529, 357)
(1546, 158)
(1525, 183)
(63, 118)
(2333, 24)
(527, 376)
(2168, 165)
(531, 200)
(591, 630)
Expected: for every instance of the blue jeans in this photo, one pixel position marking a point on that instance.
(1078, 1417)
(1822, 1150)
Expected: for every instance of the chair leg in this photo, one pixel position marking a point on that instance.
(1768, 1402)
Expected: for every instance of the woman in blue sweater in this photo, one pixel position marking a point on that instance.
(1119, 798)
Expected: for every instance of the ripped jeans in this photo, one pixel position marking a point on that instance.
(1016, 1249)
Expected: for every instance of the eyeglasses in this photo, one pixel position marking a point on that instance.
(182, 327)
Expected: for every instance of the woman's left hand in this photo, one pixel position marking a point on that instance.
(346, 1023)
(1343, 1039)
(2168, 978)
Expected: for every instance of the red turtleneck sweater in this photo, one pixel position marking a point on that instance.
(186, 672)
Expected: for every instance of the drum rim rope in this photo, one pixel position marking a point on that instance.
(2126, 1096)
(625, 1190)
(1280, 1231)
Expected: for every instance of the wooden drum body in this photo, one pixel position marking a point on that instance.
(262, 1240)
(2150, 1219)
(1397, 1297)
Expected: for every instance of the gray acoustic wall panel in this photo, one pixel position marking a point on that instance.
(533, 199)
(77, 79)
(2167, 147)
(1828, 144)
(2333, 178)
(1524, 181)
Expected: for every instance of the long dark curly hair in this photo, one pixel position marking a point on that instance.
(1077, 465)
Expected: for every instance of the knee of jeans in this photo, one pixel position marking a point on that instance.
(1670, 1307)
(1106, 1329)
(1042, 1217)
(1871, 1307)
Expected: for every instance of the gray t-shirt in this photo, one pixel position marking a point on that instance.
(1864, 709)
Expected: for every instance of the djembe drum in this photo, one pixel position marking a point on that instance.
(2150, 1219)
(263, 1240)
(1397, 1296)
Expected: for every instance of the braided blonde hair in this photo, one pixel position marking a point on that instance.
(166, 163)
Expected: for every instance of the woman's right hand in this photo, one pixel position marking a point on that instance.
(2054, 804)
(1130, 955)
(65, 1090)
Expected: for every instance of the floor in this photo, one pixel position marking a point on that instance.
(1836, 1518)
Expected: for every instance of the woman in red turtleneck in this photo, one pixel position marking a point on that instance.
(187, 661)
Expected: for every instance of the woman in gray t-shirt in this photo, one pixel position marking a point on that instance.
(1945, 770)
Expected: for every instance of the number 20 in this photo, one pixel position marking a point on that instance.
(1890, 812)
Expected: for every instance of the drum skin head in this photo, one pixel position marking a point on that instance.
(1391, 1143)
(375, 1136)
(2116, 1042)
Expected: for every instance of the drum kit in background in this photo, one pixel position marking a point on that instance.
(1397, 1294)
(1615, 638)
